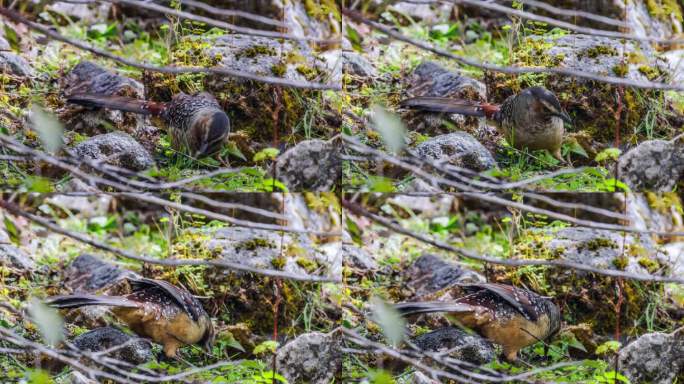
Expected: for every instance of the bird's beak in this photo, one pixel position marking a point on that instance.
(564, 115)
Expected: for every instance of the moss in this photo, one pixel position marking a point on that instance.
(257, 50)
(598, 243)
(621, 262)
(308, 72)
(664, 202)
(279, 69)
(599, 50)
(636, 250)
(308, 264)
(650, 72)
(664, 9)
(279, 262)
(636, 58)
(253, 244)
(650, 264)
(621, 70)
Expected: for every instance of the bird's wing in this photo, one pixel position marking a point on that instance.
(121, 103)
(183, 298)
(412, 308)
(520, 299)
(444, 105)
(81, 300)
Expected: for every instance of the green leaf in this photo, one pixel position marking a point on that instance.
(12, 230)
(611, 346)
(608, 154)
(12, 38)
(354, 231)
(354, 38)
(266, 153)
(229, 340)
(268, 346)
(391, 129)
(49, 129)
(389, 320)
(49, 322)
(233, 150)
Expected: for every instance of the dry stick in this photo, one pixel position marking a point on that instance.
(218, 23)
(508, 69)
(16, 17)
(233, 13)
(15, 210)
(358, 210)
(562, 24)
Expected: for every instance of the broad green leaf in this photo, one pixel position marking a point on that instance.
(266, 153)
(389, 320)
(608, 346)
(233, 150)
(391, 129)
(49, 129)
(608, 154)
(12, 230)
(49, 322)
(268, 346)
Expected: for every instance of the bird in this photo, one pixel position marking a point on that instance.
(196, 122)
(532, 119)
(509, 316)
(169, 315)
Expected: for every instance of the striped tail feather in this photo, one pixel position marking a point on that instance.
(447, 105)
(121, 103)
(407, 309)
(80, 300)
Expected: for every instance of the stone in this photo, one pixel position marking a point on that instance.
(311, 166)
(311, 358)
(116, 148)
(88, 273)
(14, 64)
(86, 13)
(419, 377)
(358, 258)
(12, 256)
(461, 345)
(426, 13)
(459, 149)
(656, 358)
(654, 165)
(357, 65)
(136, 351)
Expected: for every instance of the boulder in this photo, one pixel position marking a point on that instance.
(12, 256)
(116, 148)
(311, 166)
(357, 65)
(136, 351)
(14, 64)
(459, 149)
(311, 358)
(460, 344)
(87, 13)
(654, 165)
(430, 274)
(656, 358)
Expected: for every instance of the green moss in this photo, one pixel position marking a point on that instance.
(649, 264)
(308, 264)
(664, 9)
(621, 70)
(599, 50)
(621, 262)
(636, 58)
(664, 202)
(308, 72)
(279, 69)
(253, 244)
(650, 72)
(636, 250)
(257, 50)
(279, 262)
(598, 243)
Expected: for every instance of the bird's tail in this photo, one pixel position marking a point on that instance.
(80, 300)
(406, 309)
(447, 105)
(121, 103)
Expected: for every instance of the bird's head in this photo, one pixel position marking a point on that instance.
(215, 127)
(549, 103)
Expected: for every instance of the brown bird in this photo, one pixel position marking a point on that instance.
(509, 316)
(196, 122)
(532, 119)
(167, 314)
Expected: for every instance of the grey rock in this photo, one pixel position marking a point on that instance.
(262, 249)
(136, 351)
(4, 44)
(311, 358)
(438, 205)
(14, 64)
(427, 13)
(13, 257)
(358, 258)
(459, 149)
(87, 13)
(430, 273)
(116, 148)
(655, 165)
(656, 358)
(312, 165)
(463, 346)
(418, 377)
(357, 65)
(601, 248)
